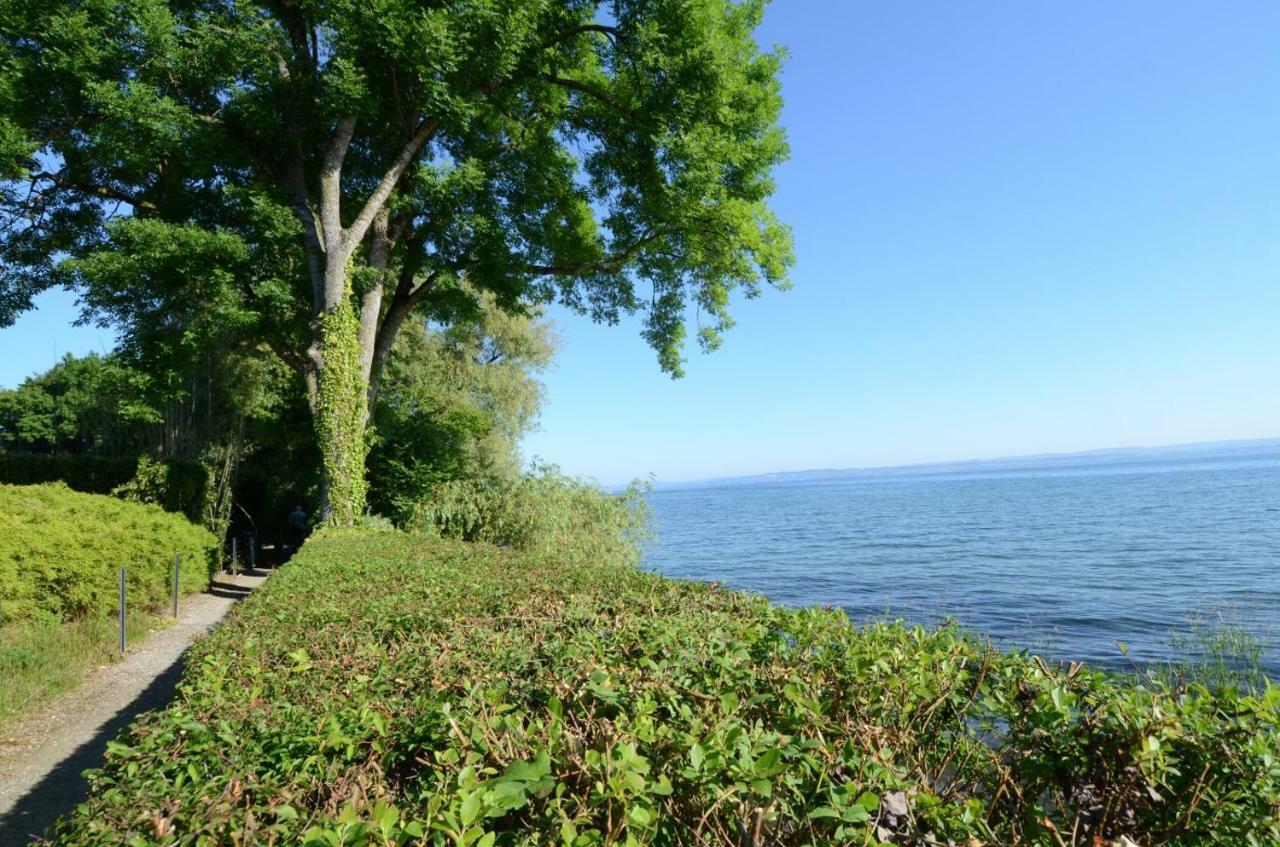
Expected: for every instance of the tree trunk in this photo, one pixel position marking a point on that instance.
(340, 415)
(344, 340)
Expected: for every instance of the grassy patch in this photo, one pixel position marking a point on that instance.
(1221, 648)
(41, 659)
(389, 689)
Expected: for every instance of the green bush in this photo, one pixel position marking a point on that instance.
(543, 513)
(60, 551)
(173, 485)
(386, 688)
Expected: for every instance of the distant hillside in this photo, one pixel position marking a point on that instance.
(1206, 450)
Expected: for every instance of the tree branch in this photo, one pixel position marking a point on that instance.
(106, 192)
(565, 35)
(406, 298)
(356, 232)
(592, 92)
(336, 245)
(609, 264)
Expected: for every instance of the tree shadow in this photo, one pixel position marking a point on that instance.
(65, 786)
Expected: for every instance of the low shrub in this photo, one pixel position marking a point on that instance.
(542, 513)
(60, 551)
(387, 688)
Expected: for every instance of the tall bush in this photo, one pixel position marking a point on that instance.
(543, 512)
(60, 551)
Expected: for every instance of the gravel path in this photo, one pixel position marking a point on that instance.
(42, 755)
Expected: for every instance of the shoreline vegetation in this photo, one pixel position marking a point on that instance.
(393, 688)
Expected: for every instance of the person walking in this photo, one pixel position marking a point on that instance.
(297, 527)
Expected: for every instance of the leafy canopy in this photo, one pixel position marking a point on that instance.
(169, 157)
(454, 403)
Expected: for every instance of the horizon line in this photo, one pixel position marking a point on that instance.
(1184, 445)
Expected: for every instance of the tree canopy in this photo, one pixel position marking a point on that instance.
(306, 175)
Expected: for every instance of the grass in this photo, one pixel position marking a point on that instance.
(1219, 649)
(390, 689)
(41, 659)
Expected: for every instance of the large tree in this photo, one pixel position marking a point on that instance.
(310, 173)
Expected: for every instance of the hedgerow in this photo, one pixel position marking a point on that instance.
(89, 474)
(60, 552)
(385, 688)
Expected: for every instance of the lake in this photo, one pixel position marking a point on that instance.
(1064, 559)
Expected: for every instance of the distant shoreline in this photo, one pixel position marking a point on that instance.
(1237, 448)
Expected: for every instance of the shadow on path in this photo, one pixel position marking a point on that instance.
(64, 787)
(227, 590)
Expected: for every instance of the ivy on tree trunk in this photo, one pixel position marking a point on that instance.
(340, 414)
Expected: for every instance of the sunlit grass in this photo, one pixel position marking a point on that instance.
(41, 659)
(1224, 648)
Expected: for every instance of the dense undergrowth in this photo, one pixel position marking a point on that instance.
(386, 688)
(540, 513)
(59, 555)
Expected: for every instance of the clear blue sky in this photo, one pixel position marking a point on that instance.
(1020, 227)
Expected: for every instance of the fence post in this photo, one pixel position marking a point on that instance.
(234, 557)
(177, 565)
(122, 613)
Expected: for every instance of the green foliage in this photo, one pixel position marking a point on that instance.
(76, 406)
(200, 172)
(60, 551)
(543, 513)
(109, 425)
(453, 404)
(341, 408)
(208, 176)
(172, 485)
(387, 688)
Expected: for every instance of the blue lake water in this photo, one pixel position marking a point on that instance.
(1065, 559)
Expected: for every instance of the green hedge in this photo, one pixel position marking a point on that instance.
(60, 551)
(88, 474)
(389, 689)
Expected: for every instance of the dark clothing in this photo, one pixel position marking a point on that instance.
(297, 527)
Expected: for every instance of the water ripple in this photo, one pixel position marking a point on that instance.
(1066, 561)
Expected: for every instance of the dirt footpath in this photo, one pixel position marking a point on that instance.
(43, 754)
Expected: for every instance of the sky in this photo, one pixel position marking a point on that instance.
(1020, 227)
